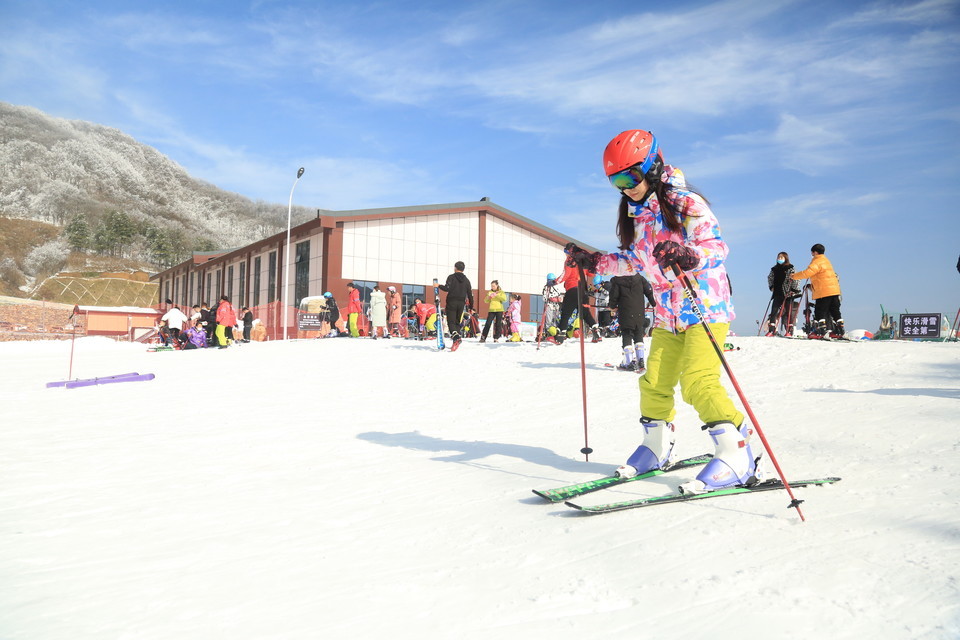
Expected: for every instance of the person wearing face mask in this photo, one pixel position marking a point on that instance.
(784, 288)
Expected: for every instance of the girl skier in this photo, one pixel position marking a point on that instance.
(663, 222)
(513, 312)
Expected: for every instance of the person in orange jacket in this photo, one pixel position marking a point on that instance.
(226, 320)
(570, 279)
(354, 309)
(826, 293)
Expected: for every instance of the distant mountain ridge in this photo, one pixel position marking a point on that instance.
(54, 170)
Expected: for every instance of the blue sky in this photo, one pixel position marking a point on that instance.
(802, 122)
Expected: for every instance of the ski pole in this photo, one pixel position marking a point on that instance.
(543, 319)
(586, 451)
(765, 312)
(73, 339)
(695, 303)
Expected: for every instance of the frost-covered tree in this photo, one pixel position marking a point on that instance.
(52, 168)
(47, 258)
(10, 272)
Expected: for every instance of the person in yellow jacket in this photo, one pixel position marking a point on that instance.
(826, 293)
(495, 298)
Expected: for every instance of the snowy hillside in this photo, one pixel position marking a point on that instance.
(53, 170)
(379, 489)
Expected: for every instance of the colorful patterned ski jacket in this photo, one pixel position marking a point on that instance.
(700, 231)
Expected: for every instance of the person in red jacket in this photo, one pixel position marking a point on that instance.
(426, 316)
(226, 320)
(570, 279)
(354, 309)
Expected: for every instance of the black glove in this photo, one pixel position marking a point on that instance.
(669, 253)
(582, 257)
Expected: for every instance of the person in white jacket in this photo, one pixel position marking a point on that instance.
(378, 313)
(175, 320)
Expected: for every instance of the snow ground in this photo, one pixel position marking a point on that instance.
(361, 489)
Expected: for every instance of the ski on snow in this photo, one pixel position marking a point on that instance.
(63, 383)
(559, 494)
(92, 382)
(439, 321)
(767, 485)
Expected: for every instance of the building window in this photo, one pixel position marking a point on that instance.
(302, 279)
(243, 285)
(256, 281)
(535, 308)
(230, 283)
(272, 277)
(218, 276)
(176, 289)
(411, 292)
(209, 287)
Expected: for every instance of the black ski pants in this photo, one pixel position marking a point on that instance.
(454, 310)
(570, 301)
(827, 308)
(495, 318)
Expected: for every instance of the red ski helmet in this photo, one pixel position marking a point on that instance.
(633, 153)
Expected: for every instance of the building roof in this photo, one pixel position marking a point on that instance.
(82, 308)
(331, 217)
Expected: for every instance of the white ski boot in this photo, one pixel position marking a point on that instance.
(656, 452)
(628, 359)
(733, 463)
(638, 364)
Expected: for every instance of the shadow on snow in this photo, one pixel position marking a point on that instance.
(470, 452)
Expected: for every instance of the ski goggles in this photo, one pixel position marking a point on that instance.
(628, 178)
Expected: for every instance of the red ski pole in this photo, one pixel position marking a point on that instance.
(581, 286)
(794, 502)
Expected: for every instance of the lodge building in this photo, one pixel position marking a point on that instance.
(406, 247)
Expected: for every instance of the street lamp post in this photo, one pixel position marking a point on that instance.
(286, 257)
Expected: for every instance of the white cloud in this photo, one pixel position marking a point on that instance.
(839, 213)
(927, 12)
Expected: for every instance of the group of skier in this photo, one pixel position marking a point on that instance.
(783, 282)
(205, 327)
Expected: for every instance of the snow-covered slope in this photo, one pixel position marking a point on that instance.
(367, 489)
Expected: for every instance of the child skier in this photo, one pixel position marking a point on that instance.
(601, 299)
(663, 222)
(333, 314)
(551, 309)
(513, 312)
(627, 296)
(426, 316)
